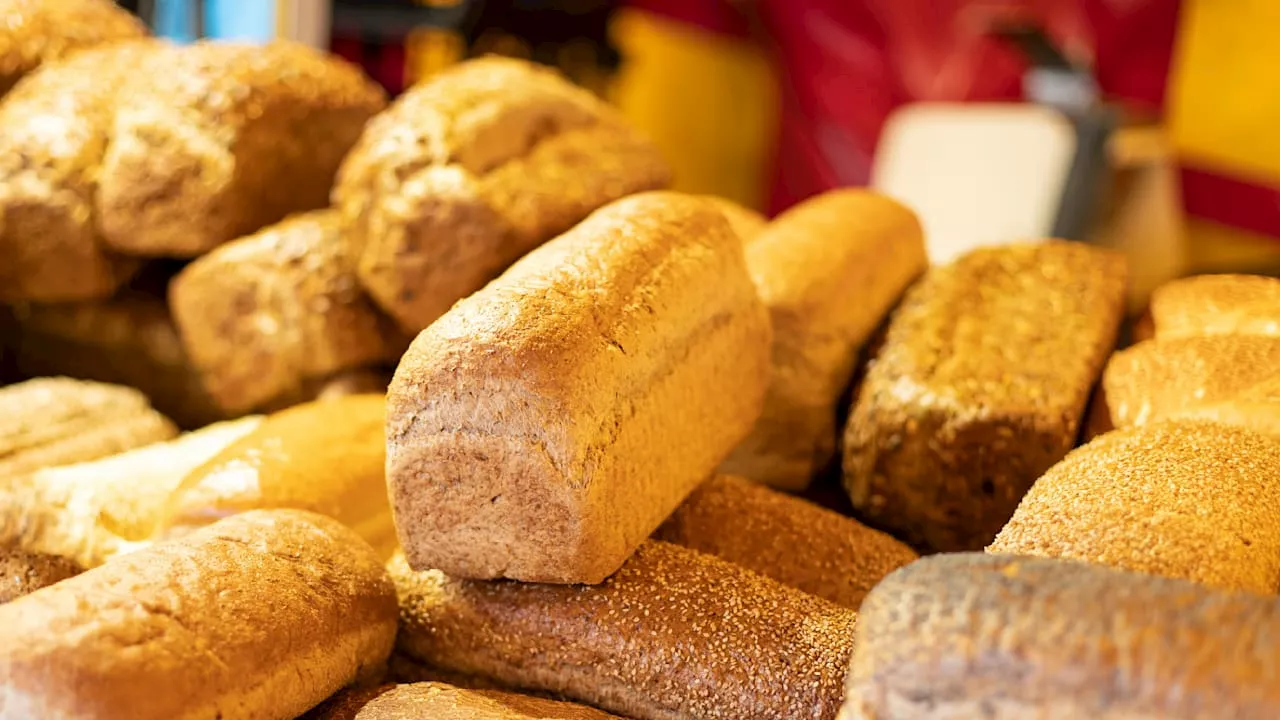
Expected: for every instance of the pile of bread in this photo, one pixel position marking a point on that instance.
(583, 494)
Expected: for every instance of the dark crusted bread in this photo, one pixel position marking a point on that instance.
(23, 572)
(438, 701)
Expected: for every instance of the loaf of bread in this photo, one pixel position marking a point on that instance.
(1257, 408)
(263, 615)
(522, 425)
(34, 32)
(57, 421)
(262, 314)
(23, 572)
(785, 538)
(980, 387)
(1217, 305)
(229, 138)
(469, 171)
(438, 701)
(829, 270)
(974, 636)
(747, 223)
(1189, 500)
(674, 635)
(326, 456)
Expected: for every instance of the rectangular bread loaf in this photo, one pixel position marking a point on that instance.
(548, 424)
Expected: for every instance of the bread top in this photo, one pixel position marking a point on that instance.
(1257, 408)
(746, 223)
(23, 572)
(33, 32)
(1217, 305)
(1192, 500)
(438, 701)
(968, 635)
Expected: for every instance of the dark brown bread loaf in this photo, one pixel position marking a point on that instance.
(785, 538)
(1217, 305)
(980, 387)
(471, 170)
(23, 572)
(673, 635)
(521, 426)
(974, 636)
(438, 701)
(34, 32)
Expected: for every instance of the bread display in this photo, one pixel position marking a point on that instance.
(467, 172)
(829, 270)
(521, 426)
(673, 635)
(747, 223)
(1217, 305)
(22, 572)
(263, 314)
(979, 388)
(183, 629)
(438, 701)
(57, 421)
(34, 32)
(968, 636)
(785, 538)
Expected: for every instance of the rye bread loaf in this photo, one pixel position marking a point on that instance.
(23, 572)
(521, 426)
(35, 32)
(980, 386)
(438, 701)
(1217, 305)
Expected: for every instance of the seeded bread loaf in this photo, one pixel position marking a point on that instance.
(674, 635)
(1217, 305)
(23, 572)
(522, 425)
(979, 388)
(829, 270)
(469, 171)
(974, 636)
(438, 701)
(35, 32)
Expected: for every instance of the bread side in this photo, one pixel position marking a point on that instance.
(23, 572)
(35, 32)
(521, 426)
(439, 701)
(747, 223)
(961, 636)
(1217, 305)
(980, 387)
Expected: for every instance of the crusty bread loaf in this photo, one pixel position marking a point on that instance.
(231, 137)
(1217, 305)
(1197, 501)
(1257, 408)
(747, 223)
(673, 635)
(785, 538)
(438, 701)
(522, 426)
(264, 313)
(57, 421)
(263, 615)
(974, 636)
(326, 456)
(34, 32)
(23, 572)
(829, 270)
(980, 387)
(471, 170)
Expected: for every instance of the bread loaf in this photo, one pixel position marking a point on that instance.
(325, 456)
(1217, 305)
(979, 388)
(968, 636)
(231, 137)
(56, 421)
(521, 426)
(22, 572)
(1196, 501)
(263, 615)
(829, 270)
(438, 701)
(1257, 408)
(264, 313)
(747, 223)
(785, 538)
(674, 635)
(471, 170)
(34, 32)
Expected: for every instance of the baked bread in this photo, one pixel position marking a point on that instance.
(22, 572)
(785, 538)
(326, 456)
(1217, 305)
(969, 636)
(438, 701)
(34, 32)
(262, 314)
(263, 615)
(979, 388)
(829, 270)
(1189, 500)
(469, 171)
(1257, 408)
(747, 223)
(521, 426)
(57, 421)
(673, 635)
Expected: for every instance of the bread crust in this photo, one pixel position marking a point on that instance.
(35, 32)
(23, 572)
(1217, 305)
(439, 701)
(747, 223)
(521, 426)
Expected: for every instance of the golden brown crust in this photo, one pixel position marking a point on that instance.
(263, 314)
(521, 426)
(34, 32)
(1217, 305)
(1189, 500)
(785, 538)
(746, 223)
(673, 635)
(471, 170)
(979, 388)
(262, 615)
(967, 636)
(829, 270)
(23, 572)
(438, 701)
